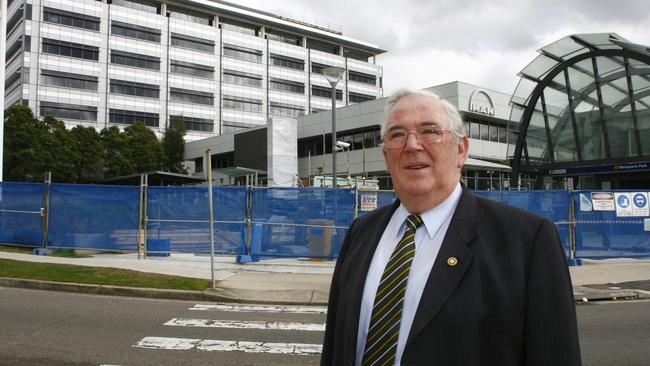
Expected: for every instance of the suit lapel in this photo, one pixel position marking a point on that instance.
(361, 258)
(444, 278)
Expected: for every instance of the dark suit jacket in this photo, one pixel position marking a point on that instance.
(508, 300)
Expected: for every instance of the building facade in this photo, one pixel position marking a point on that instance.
(485, 113)
(581, 113)
(217, 66)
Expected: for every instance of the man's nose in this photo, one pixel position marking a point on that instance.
(413, 141)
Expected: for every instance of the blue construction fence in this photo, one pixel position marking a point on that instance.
(278, 222)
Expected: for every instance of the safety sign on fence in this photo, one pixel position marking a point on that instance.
(630, 204)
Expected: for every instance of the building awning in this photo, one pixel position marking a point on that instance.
(483, 164)
(238, 171)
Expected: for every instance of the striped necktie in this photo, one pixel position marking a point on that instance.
(381, 342)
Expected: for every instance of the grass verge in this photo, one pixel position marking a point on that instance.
(97, 276)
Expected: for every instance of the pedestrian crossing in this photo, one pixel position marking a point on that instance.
(242, 345)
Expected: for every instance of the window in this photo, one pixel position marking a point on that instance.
(287, 85)
(69, 111)
(242, 78)
(16, 47)
(243, 53)
(70, 49)
(317, 68)
(130, 117)
(321, 91)
(225, 160)
(135, 60)
(70, 19)
(230, 127)
(133, 88)
(12, 79)
(68, 80)
(362, 78)
(358, 97)
(196, 124)
(322, 46)
(188, 68)
(358, 139)
(284, 37)
(142, 5)
(198, 165)
(282, 109)
(357, 55)
(191, 96)
(15, 19)
(286, 61)
(135, 31)
(194, 43)
(190, 16)
(242, 104)
(239, 27)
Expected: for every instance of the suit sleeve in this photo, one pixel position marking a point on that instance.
(551, 328)
(327, 356)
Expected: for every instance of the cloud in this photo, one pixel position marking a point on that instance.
(483, 42)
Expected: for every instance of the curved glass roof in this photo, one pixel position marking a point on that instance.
(585, 99)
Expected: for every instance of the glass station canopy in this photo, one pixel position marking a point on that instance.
(585, 100)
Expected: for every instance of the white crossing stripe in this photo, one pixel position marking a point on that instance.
(208, 323)
(262, 308)
(216, 345)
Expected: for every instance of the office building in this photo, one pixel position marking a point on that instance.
(485, 113)
(218, 66)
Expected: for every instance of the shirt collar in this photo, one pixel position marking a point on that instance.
(434, 217)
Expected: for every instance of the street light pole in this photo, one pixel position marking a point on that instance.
(333, 75)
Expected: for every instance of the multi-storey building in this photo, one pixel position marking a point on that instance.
(219, 66)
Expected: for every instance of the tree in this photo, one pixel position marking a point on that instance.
(24, 158)
(116, 154)
(146, 150)
(58, 151)
(173, 143)
(88, 153)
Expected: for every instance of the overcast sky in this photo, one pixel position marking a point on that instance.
(482, 42)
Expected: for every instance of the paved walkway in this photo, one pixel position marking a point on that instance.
(304, 281)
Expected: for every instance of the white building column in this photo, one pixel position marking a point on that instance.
(3, 47)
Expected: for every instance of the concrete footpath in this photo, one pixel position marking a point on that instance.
(301, 281)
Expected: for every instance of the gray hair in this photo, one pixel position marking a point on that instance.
(456, 124)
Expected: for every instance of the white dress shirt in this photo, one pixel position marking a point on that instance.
(428, 239)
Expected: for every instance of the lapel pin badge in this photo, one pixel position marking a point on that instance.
(452, 261)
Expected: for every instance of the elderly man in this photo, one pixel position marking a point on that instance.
(443, 277)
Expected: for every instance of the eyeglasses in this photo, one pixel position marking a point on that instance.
(396, 139)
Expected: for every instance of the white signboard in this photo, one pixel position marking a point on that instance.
(603, 201)
(640, 204)
(585, 203)
(624, 204)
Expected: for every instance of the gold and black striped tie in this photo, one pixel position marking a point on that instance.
(381, 342)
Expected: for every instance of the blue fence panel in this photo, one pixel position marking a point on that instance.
(20, 219)
(180, 217)
(300, 222)
(604, 234)
(93, 217)
(553, 204)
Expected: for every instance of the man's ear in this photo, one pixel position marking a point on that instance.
(463, 151)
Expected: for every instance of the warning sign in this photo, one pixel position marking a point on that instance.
(368, 201)
(640, 204)
(623, 204)
(603, 201)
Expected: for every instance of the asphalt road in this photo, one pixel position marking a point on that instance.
(52, 328)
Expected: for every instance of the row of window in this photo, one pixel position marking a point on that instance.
(288, 62)
(191, 69)
(358, 139)
(283, 109)
(242, 78)
(191, 96)
(69, 80)
(22, 43)
(242, 104)
(120, 116)
(135, 31)
(483, 130)
(287, 85)
(136, 89)
(62, 17)
(194, 43)
(70, 49)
